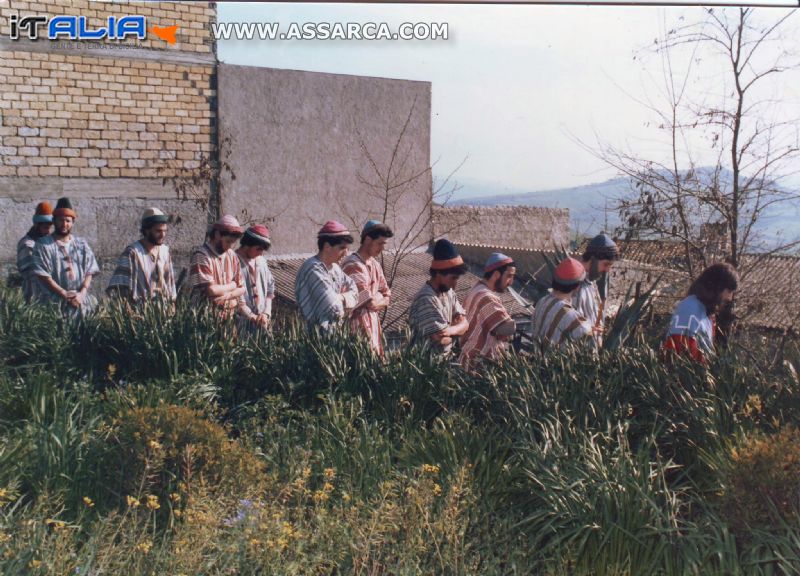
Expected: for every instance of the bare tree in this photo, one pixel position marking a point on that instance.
(404, 195)
(746, 128)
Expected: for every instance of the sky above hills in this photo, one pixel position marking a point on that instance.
(514, 87)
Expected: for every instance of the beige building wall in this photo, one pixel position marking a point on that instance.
(301, 148)
(109, 124)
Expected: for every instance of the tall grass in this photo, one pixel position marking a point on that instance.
(564, 463)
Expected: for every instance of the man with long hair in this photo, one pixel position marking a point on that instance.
(692, 326)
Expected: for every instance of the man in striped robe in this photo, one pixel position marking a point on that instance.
(325, 294)
(373, 290)
(555, 321)
(258, 280)
(42, 226)
(144, 269)
(215, 275)
(65, 265)
(490, 324)
(436, 316)
(599, 257)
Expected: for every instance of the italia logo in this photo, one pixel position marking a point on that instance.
(76, 28)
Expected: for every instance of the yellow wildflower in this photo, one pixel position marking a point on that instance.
(132, 502)
(3, 494)
(145, 546)
(327, 487)
(175, 497)
(177, 513)
(437, 490)
(152, 502)
(111, 370)
(154, 445)
(329, 473)
(430, 469)
(4, 537)
(88, 502)
(320, 496)
(34, 564)
(55, 524)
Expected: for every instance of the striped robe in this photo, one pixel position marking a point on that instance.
(259, 285)
(432, 312)
(207, 267)
(556, 322)
(141, 277)
(30, 285)
(485, 312)
(370, 281)
(68, 265)
(318, 289)
(586, 300)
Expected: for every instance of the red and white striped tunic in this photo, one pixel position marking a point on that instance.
(370, 281)
(485, 312)
(207, 267)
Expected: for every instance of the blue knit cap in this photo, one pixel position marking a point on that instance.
(496, 260)
(369, 226)
(602, 247)
(446, 257)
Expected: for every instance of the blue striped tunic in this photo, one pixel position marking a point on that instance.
(318, 289)
(432, 312)
(68, 265)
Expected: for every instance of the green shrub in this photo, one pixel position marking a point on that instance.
(169, 449)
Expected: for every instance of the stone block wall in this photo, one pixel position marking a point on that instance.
(114, 125)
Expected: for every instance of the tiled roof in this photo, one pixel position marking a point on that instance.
(412, 273)
(768, 287)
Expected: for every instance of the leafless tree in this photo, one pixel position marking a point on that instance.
(404, 195)
(735, 62)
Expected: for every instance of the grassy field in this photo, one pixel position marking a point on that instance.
(161, 444)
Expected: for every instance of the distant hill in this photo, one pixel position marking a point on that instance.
(591, 205)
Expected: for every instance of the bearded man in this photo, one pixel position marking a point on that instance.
(65, 264)
(490, 324)
(144, 269)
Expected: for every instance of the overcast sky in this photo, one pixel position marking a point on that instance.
(513, 86)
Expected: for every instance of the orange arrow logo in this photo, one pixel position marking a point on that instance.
(167, 33)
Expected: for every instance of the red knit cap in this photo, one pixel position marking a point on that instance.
(569, 271)
(333, 228)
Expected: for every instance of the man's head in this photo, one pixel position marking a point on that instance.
(43, 219)
(499, 272)
(599, 257)
(446, 267)
(154, 225)
(64, 217)
(374, 237)
(568, 275)
(255, 241)
(715, 286)
(224, 233)
(333, 239)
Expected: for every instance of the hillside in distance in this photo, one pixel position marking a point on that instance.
(591, 206)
